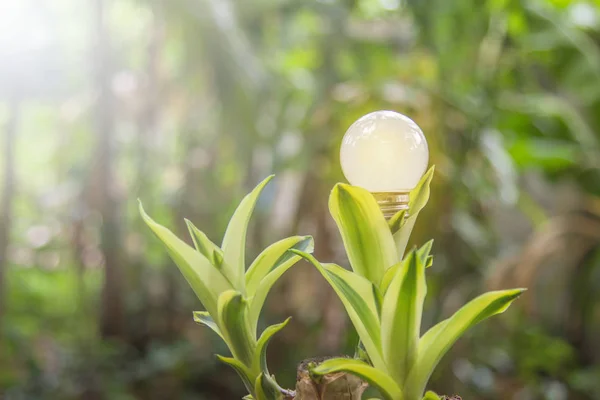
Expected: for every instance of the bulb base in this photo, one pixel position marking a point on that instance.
(391, 202)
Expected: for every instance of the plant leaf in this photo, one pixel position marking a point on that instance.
(206, 281)
(361, 354)
(428, 261)
(284, 262)
(418, 199)
(423, 253)
(260, 358)
(378, 297)
(204, 318)
(234, 242)
(218, 257)
(401, 316)
(427, 339)
(389, 275)
(233, 323)
(397, 220)
(357, 295)
(266, 388)
(438, 340)
(365, 233)
(241, 370)
(383, 382)
(274, 257)
(205, 246)
(431, 396)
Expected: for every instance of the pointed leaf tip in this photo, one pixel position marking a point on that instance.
(234, 242)
(434, 344)
(204, 318)
(418, 199)
(141, 207)
(204, 245)
(206, 281)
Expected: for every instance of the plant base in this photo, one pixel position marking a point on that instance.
(337, 386)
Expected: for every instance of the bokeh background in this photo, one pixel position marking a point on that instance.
(187, 104)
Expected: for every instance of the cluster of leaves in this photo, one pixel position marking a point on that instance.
(232, 296)
(383, 296)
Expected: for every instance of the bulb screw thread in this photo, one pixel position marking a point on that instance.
(391, 203)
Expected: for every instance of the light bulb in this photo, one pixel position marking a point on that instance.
(386, 153)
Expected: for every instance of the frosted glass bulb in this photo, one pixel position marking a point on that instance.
(384, 151)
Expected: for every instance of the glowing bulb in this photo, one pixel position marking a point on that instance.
(384, 151)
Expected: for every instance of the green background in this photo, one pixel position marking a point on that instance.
(188, 104)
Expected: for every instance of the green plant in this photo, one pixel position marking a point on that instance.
(232, 296)
(384, 295)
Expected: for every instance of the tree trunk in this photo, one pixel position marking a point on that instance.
(112, 317)
(7, 196)
(140, 325)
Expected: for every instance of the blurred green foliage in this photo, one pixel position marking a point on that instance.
(188, 104)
